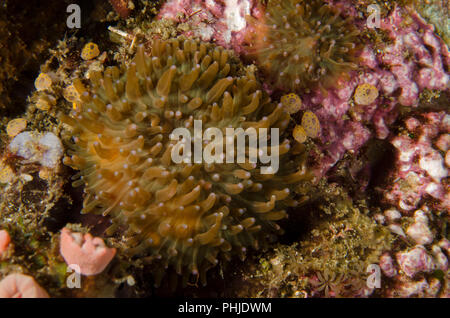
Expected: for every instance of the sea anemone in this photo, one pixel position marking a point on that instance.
(302, 44)
(186, 216)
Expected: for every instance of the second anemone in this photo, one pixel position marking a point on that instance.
(304, 44)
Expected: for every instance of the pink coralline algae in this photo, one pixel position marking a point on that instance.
(387, 265)
(410, 270)
(431, 74)
(440, 258)
(4, 241)
(424, 68)
(444, 244)
(421, 170)
(414, 261)
(407, 272)
(416, 60)
(21, 286)
(413, 264)
(85, 253)
(405, 287)
(220, 21)
(419, 230)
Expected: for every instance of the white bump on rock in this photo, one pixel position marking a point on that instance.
(44, 148)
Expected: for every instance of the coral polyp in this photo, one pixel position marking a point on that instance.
(301, 44)
(187, 216)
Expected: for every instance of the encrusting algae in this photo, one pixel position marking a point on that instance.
(184, 216)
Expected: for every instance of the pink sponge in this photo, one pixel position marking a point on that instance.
(88, 254)
(4, 241)
(21, 286)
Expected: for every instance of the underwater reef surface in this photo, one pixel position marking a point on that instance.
(23, 47)
(93, 205)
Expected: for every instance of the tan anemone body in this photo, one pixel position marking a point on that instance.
(187, 216)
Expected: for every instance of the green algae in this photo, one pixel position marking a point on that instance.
(330, 259)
